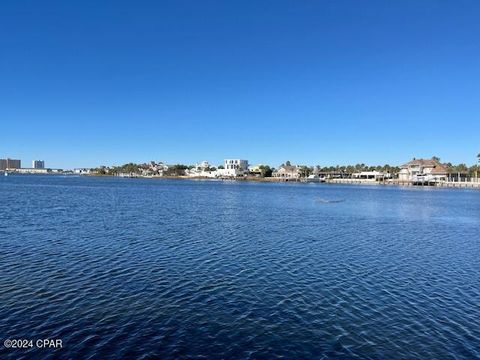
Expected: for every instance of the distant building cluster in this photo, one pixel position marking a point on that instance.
(15, 165)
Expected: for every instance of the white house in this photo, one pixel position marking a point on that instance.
(234, 168)
(204, 165)
(255, 170)
(81, 171)
(287, 172)
(201, 169)
(423, 170)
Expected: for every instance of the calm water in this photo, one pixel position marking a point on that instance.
(129, 268)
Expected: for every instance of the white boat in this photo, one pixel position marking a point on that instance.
(315, 178)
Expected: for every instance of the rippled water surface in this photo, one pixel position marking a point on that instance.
(130, 268)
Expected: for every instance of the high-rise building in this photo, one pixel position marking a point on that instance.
(10, 164)
(38, 164)
(14, 164)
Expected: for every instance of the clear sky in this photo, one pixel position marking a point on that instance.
(85, 83)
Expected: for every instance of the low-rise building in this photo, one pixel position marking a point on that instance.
(202, 169)
(32, 171)
(423, 170)
(255, 170)
(81, 171)
(154, 168)
(288, 172)
(202, 166)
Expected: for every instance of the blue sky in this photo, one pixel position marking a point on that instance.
(84, 83)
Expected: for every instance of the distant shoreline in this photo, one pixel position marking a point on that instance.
(452, 185)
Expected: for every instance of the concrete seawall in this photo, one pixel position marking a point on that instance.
(474, 184)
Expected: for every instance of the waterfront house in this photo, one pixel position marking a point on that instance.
(81, 171)
(255, 170)
(161, 167)
(203, 166)
(423, 170)
(202, 169)
(156, 168)
(234, 168)
(288, 172)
